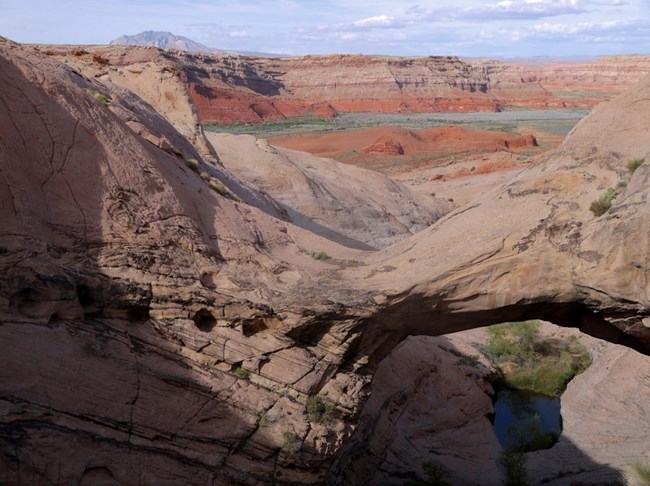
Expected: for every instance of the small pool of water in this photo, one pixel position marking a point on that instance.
(526, 421)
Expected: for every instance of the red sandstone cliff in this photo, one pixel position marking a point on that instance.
(229, 89)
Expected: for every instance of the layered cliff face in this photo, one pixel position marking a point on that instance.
(156, 327)
(277, 88)
(236, 89)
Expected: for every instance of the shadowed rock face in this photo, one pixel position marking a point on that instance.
(153, 328)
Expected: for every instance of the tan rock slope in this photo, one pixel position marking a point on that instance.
(155, 327)
(338, 201)
(149, 73)
(533, 247)
(112, 251)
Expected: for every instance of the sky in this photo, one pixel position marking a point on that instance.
(473, 28)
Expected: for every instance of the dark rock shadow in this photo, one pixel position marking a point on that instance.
(92, 389)
(425, 417)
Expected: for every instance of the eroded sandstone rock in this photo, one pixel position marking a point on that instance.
(151, 323)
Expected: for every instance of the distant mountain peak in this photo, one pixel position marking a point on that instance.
(163, 40)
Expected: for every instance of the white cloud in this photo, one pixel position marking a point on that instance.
(378, 21)
(365, 24)
(239, 34)
(503, 10)
(582, 27)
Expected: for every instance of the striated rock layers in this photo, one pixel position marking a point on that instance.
(227, 88)
(239, 89)
(156, 328)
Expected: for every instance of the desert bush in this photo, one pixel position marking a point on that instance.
(541, 366)
(633, 165)
(101, 98)
(264, 420)
(318, 410)
(601, 205)
(467, 360)
(316, 255)
(514, 466)
(240, 372)
(205, 176)
(100, 60)
(435, 474)
(552, 373)
(512, 341)
(219, 188)
(637, 473)
(192, 164)
(290, 443)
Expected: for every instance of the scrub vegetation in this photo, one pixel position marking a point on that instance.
(529, 362)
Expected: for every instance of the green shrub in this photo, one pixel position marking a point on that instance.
(514, 465)
(192, 164)
(633, 165)
(219, 188)
(318, 410)
(552, 373)
(101, 98)
(467, 360)
(290, 443)
(435, 474)
(263, 420)
(316, 255)
(541, 366)
(240, 372)
(602, 204)
(638, 473)
(512, 341)
(205, 176)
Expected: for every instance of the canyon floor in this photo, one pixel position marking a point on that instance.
(180, 306)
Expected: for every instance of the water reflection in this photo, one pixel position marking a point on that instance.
(525, 421)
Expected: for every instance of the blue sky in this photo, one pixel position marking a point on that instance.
(503, 28)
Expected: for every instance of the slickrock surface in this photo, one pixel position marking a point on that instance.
(338, 201)
(148, 72)
(155, 327)
(425, 406)
(593, 430)
(542, 251)
(130, 293)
